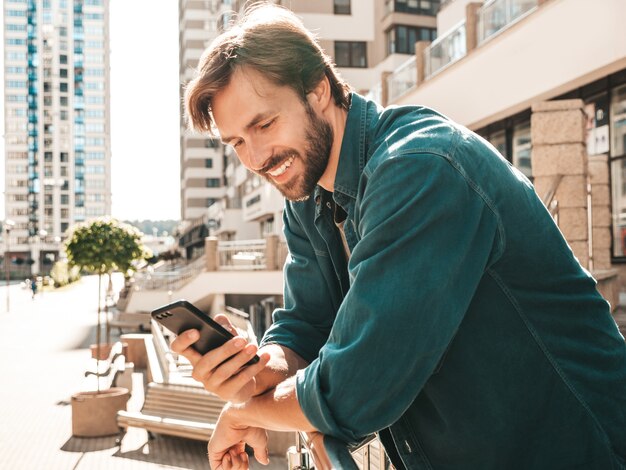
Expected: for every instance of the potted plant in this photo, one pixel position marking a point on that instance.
(102, 246)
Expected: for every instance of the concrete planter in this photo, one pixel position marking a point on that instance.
(94, 414)
(105, 350)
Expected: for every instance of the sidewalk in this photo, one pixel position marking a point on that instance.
(43, 354)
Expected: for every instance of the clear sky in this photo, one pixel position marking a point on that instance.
(144, 110)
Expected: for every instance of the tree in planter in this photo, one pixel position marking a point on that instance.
(102, 246)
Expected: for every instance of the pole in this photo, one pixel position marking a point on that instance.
(7, 270)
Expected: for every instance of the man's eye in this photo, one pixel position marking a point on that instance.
(237, 144)
(267, 124)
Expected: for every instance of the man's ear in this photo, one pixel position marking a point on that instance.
(320, 97)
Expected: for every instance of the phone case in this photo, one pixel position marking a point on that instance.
(182, 315)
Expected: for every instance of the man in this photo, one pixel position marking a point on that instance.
(429, 296)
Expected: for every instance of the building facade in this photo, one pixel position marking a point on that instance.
(365, 39)
(545, 82)
(57, 121)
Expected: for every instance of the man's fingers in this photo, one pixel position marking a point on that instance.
(257, 439)
(225, 322)
(210, 362)
(246, 374)
(182, 345)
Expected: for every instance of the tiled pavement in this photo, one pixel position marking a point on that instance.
(43, 355)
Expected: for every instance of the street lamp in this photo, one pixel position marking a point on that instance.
(8, 225)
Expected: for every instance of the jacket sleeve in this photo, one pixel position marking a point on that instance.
(310, 299)
(426, 239)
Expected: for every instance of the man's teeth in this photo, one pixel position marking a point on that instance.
(282, 168)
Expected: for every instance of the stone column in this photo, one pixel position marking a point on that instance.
(600, 210)
(420, 62)
(471, 26)
(271, 252)
(211, 255)
(558, 150)
(384, 89)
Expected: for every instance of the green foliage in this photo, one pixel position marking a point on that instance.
(63, 274)
(104, 245)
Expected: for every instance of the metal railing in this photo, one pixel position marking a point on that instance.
(445, 50)
(497, 15)
(376, 93)
(402, 79)
(315, 451)
(168, 280)
(242, 255)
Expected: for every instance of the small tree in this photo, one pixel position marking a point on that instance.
(102, 246)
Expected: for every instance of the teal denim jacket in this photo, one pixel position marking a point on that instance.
(462, 322)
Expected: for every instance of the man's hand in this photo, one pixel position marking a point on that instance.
(222, 371)
(227, 444)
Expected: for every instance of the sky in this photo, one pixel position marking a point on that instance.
(144, 110)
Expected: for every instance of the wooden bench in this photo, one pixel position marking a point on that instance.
(175, 410)
(104, 374)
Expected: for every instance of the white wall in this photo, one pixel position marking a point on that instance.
(562, 45)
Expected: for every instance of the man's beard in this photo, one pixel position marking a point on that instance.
(319, 140)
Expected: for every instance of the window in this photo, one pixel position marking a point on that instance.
(521, 148)
(350, 54)
(63, 59)
(401, 39)
(65, 199)
(208, 163)
(213, 182)
(210, 201)
(342, 7)
(63, 73)
(416, 7)
(63, 87)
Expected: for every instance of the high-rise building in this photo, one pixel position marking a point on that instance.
(57, 157)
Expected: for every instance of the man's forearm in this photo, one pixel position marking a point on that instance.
(276, 410)
(283, 363)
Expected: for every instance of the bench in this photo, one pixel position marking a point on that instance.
(104, 374)
(175, 410)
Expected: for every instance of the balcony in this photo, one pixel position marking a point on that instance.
(496, 15)
(402, 79)
(445, 50)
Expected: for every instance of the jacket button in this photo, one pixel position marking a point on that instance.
(407, 447)
(329, 205)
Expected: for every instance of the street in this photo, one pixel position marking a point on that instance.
(44, 350)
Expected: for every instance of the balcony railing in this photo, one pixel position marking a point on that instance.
(496, 15)
(244, 255)
(376, 93)
(445, 50)
(402, 79)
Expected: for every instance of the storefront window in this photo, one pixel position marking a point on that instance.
(522, 148)
(618, 168)
(498, 140)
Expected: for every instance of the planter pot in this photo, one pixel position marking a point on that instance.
(94, 414)
(105, 350)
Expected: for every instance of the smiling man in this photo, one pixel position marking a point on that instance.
(429, 296)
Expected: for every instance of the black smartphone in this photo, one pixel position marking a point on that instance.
(181, 315)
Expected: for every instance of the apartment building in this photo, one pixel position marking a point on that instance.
(57, 140)
(366, 39)
(545, 82)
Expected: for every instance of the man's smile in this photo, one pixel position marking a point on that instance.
(278, 171)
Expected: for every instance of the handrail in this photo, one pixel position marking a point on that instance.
(445, 50)
(320, 452)
(494, 16)
(402, 79)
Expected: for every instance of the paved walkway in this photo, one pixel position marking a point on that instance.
(43, 354)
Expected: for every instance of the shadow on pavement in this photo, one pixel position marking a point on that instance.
(90, 444)
(170, 451)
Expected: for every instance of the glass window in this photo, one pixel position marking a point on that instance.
(350, 54)
(401, 39)
(522, 148)
(208, 163)
(342, 7)
(618, 122)
(498, 140)
(212, 182)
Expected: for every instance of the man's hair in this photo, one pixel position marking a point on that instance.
(271, 40)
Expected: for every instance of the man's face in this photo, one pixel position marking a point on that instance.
(274, 133)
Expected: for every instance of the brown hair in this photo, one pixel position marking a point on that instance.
(271, 40)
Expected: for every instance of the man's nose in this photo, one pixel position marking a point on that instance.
(259, 154)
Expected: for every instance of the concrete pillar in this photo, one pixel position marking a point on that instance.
(211, 255)
(558, 150)
(384, 89)
(420, 61)
(271, 252)
(471, 26)
(601, 210)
